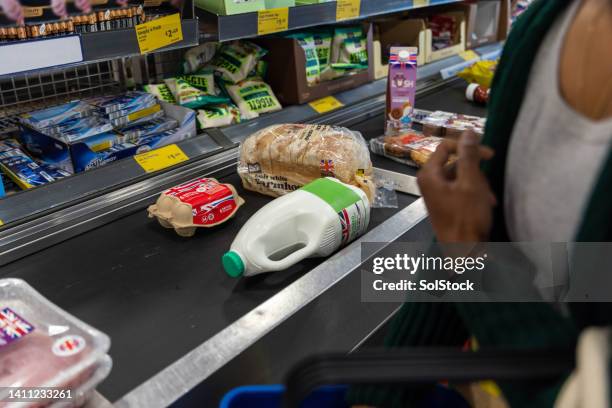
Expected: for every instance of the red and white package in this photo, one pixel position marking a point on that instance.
(43, 346)
(202, 202)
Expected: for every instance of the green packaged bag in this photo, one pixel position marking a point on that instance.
(197, 57)
(323, 40)
(189, 96)
(234, 61)
(253, 97)
(349, 46)
(217, 116)
(161, 92)
(313, 71)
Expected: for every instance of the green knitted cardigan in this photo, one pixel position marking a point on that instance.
(505, 325)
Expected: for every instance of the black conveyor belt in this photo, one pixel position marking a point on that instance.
(159, 295)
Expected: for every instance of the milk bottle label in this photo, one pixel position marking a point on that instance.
(347, 203)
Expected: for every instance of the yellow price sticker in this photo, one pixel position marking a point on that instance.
(31, 12)
(329, 103)
(159, 33)
(468, 55)
(420, 3)
(1, 223)
(161, 158)
(272, 21)
(347, 9)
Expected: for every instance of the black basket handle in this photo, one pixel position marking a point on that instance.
(422, 365)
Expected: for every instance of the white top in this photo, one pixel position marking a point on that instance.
(554, 160)
(555, 153)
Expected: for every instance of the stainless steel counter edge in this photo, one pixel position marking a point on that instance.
(196, 366)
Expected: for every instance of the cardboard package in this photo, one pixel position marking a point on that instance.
(482, 22)
(458, 38)
(104, 148)
(287, 75)
(399, 32)
(229, 7)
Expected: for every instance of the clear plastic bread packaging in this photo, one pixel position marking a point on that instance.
(203, 202)
(282, 158)
(41, 345)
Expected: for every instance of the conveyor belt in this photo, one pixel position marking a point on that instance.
(159, 295)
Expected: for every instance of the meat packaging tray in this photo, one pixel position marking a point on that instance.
(42, 345)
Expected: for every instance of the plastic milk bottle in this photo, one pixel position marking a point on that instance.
(313, 221)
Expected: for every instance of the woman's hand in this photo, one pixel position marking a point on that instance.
(458, 198)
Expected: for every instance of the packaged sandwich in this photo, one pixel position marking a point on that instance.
(235, 60)
(217, 116)
(451, 125)
(199, 203)
(396, 147)
(282, 158)
(253, 97)
(42, 345)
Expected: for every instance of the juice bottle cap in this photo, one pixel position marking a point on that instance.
(233, 265)
(470, 90)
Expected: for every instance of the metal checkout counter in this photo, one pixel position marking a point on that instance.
(182, 331)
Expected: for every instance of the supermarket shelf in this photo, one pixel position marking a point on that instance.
(99, 46)
(226, 28)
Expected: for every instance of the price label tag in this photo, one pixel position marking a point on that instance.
(420, 3)
(161, 158)
(159, 33)
(1, 223)
(329, 103)
(31, 12)
(347, 9)
(272, 21)
(468, 55)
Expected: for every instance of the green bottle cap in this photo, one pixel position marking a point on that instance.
(233, 265)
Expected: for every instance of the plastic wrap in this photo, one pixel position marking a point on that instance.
(198, 203)
(282, 158)
(446, 124)
(42, 345)
(411, 148)
(253, 97)
(235, 60)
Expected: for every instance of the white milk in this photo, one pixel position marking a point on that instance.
(310, 222)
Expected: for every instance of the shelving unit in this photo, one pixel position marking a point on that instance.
(82, 49)
(233, 27)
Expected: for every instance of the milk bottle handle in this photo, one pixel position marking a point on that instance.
(288, 260)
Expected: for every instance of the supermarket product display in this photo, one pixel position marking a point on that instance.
(42, 345)
(282, 158)
(401, 88)
(313, 221)
(199, 203)
(81, 135)
(224, 83)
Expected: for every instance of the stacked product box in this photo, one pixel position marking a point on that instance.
(82, 135)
